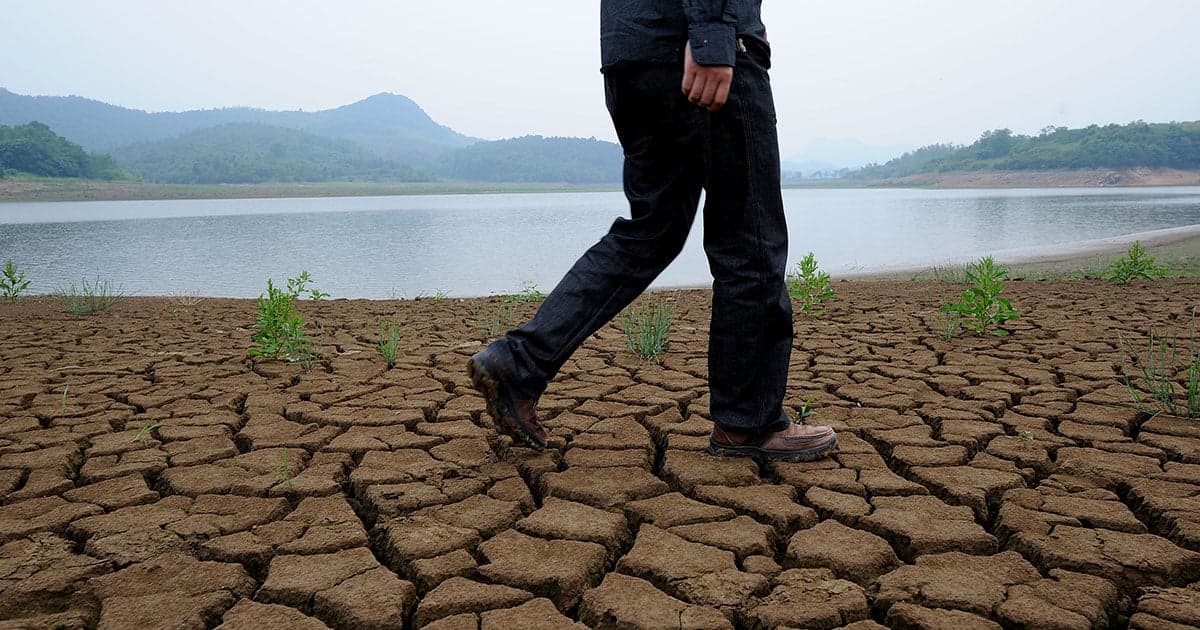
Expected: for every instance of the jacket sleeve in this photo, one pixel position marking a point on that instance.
(712, 31)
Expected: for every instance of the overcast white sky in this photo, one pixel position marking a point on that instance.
(882, 71)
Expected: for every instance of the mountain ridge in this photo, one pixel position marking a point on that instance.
(392, 125)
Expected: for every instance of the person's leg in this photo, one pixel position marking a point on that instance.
(663, 138)
(745, 237)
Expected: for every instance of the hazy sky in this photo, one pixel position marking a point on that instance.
(883, 71)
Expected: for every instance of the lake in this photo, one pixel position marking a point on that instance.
(467, 245)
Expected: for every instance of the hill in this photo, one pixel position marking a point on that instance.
(536, 159)
(245, 153)
(391, 125)
(34, 149)
(1136, 145)
(383, 137)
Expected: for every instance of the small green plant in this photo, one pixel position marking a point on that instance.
(981, 308)
(12, 282)
(62, 402)
(951, 325)
(1137, 264)
(284, 474)
(494, 322)
(810, 285)
(806, 410)
(1170, 373)
(279, 329)
(528, 293)
(149, 426)
(647, 328)
(945, 273)
(89, 296)
(186, 300)
(438, 296)
(389, 342)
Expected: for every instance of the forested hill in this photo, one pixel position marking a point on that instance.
(536, 159)
(383, 137)
(247, 153)
(34, 149)
(390, 125)
(1138, 144)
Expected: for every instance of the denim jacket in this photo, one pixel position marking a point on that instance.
(633, 31)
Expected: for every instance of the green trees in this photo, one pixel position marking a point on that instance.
(249, 153)
(36, 150)
(536, 159)
(1138, 144)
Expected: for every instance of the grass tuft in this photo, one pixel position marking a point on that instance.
(389, 342)
(1169, 372)
(529, 293)
(284, 474)
(493, 323)
(89, 296)
(149, 426)
(647, 328)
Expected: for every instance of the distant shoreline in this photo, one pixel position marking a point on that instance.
(1176, 247)
(48, 190)
(22, 190)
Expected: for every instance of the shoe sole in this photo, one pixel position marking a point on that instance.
(486, 383)
(759, 453)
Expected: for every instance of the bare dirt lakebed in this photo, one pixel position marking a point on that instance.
(150, 478)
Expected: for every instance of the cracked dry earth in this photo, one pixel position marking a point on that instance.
(150, 479)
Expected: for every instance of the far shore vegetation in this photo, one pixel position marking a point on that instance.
(338, 153)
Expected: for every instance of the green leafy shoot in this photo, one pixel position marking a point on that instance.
(89, 296)
(806, 410)
(299, 285)
(279, 331)
(149, 426)
(529, 293)
(284, 474)
(389, 342)
(982, 309)
(810, 286)
(492, 323)
(12, 282)
(62, 401)
(648, 328)
(1137, 264)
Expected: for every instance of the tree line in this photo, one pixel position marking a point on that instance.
(34, 149)
(1137, 144)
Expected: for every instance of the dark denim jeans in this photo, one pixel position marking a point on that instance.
(673, 150)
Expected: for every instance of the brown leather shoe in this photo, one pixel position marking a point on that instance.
(512, 415)
(796, 443)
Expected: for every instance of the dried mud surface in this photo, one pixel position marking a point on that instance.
(149, 478)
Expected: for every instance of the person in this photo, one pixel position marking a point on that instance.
(686, 85)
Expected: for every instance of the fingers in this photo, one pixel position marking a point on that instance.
(711, 92)
(722, 95)
(689, 70)
(709, 95)
(699, 85)
(689, 82)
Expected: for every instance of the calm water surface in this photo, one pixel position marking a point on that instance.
(382, 247)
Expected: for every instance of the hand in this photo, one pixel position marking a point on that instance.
(706, 86)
